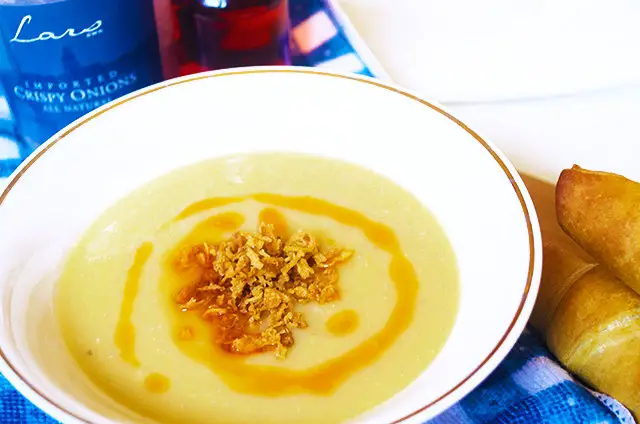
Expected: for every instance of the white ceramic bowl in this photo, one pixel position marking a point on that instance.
(472, 189)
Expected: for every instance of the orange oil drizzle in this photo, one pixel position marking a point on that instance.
(325, 378)
(275, 218)
(343, 323)
(212, 227)
(205, 205)
(125, 334)
(157, 383)
(264, 380)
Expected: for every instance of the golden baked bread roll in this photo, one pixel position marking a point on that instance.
(601, 212)
(595, 333)
(561, 269)
(589, 319)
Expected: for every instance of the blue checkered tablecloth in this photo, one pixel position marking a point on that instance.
(528, 387)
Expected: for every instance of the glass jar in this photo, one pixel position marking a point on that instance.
(217, 34)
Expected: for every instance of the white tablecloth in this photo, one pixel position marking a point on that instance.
(596, 130)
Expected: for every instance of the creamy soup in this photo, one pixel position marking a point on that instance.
(398, 294)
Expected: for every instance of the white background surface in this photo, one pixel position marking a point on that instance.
(599, 130)
(551, 83)
(468, 50)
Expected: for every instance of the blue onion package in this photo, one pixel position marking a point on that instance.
(527, 387)
(60, 59)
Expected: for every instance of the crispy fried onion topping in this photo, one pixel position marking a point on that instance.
(251, 283)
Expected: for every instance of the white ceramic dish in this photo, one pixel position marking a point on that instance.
(492, 50)
(472, 189)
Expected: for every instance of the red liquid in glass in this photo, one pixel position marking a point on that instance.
(217, 34)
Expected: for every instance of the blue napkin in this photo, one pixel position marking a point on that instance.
(528, 387)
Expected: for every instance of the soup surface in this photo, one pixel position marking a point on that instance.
(398, 294)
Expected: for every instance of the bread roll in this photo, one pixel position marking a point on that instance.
(589, 319)
(601, 212)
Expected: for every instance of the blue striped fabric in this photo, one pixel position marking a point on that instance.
(320, 39)
(528, 387)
